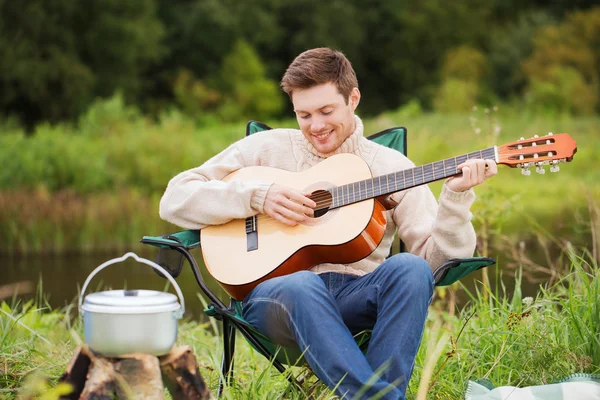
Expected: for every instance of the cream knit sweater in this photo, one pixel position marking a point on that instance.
(197, 197)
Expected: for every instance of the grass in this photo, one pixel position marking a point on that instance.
(503, 337)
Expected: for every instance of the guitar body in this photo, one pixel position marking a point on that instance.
(342, 235)
(242, 253)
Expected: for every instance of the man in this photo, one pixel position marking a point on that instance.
(319, 310)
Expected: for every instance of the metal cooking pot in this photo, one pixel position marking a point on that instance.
(117, 322)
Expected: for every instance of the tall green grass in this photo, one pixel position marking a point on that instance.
(503, 337)
(522, 341)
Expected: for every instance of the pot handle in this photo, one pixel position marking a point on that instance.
(143, 261)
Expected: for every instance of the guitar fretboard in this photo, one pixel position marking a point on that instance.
(406, 179)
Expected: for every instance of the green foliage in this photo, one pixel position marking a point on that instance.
(194, 96)
(465, 63)
(420, 33)
(509, 46)
(517, 341)
(248, 93)
(55, 57)
(564, 68)
(58, 58)
(32, 343)
(462, 72)
(105, 116)
(562, 89)
(456, 95)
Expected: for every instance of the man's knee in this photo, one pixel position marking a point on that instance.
(410, 270)
(293, 287)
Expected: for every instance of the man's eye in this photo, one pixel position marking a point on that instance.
(326, 112)
(305, 116)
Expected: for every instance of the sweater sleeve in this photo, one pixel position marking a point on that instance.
(436, 232)
(197, 197)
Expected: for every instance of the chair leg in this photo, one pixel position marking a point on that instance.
(228, 352)
(231, 351)
(257, 345)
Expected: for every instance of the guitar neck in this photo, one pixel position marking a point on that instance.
(405, 179)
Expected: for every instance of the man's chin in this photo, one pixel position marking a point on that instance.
(324, 149)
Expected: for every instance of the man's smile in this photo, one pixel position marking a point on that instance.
(322, 137)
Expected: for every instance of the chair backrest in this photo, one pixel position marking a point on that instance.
(394, 138)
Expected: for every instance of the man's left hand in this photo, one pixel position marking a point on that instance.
(474, 172)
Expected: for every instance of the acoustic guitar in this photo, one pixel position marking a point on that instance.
(349, 220)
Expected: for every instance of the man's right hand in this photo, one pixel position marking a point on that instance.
(287, 205)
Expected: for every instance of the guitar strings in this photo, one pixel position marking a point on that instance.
(323, 200)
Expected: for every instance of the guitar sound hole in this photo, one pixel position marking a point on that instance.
(323, 199)
(320, 212)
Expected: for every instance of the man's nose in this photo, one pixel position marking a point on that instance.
(317, 125)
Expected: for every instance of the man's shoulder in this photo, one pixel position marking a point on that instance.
(273, 133)
(270, 137)
(387, 157)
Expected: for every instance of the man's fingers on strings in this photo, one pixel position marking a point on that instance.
(466, 172)
(480, 170)
(301, 198)
(491, 168)
(297, 207)
(291, 214)
(284, 220)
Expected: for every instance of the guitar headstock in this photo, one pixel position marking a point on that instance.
(537, 152)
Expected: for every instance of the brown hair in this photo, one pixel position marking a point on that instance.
(318, 66)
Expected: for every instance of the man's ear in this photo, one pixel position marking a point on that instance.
(354, 98)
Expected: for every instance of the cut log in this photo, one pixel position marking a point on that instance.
(76, 373)
(100, 383)
(138, 377)
(134, 376)
(182, 375)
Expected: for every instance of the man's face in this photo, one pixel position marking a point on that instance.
(324, 117)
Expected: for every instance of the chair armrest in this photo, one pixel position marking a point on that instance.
(457, 268)
(188, 239)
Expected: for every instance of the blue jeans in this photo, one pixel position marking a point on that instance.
(321, 313)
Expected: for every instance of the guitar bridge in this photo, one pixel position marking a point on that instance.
(251, 233)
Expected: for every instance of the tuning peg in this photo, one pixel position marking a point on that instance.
(554, 168)
(540, 170)
(525, 171)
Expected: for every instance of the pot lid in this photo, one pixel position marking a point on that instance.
(130, 302)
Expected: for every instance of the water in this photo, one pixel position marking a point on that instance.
(61, 278)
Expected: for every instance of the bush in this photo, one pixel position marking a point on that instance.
(563, 70)
(563, 90)
(462, 72)
(456, 95)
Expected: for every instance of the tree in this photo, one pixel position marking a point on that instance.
(57, 56)
(462, 73)
(566, 62)
(247, 92)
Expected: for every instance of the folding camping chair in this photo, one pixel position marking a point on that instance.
(181, 243)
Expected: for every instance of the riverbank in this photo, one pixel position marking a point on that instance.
(96, 186)
(501, 336)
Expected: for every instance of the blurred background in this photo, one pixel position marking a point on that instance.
(103, 101)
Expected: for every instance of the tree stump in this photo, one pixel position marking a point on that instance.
(134, 376)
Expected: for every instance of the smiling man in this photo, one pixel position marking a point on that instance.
(319, 310)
